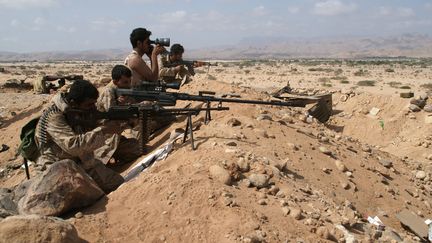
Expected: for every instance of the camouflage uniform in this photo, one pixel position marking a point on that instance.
(57, 139)
(167, 72)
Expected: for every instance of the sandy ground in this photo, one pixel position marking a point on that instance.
(177, 200)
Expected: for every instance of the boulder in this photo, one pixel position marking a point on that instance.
(62, 187)
(220, 174)
(35, 228)
(259, 180)
(414, 108)
(7, 205)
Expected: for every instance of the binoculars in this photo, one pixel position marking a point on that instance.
(161, 41)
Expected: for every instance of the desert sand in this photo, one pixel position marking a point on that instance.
(324, 179)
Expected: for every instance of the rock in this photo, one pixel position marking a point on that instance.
(324, 139)
(323, 232)
(374, 111)
(262, 202)
(243, 165)
(428, 108)
(345, 185)
(296, 213)
(78, 215)
(406, 95)
(324, 150)
(259, 180)
(386, 163)
(273, 190)
(233, 122)
(414, 108)
(285, 210)
(35, 228)
(418, 102)
(62, 187)
(366, 149)
(340, 166)
(264, 117)
(420, 175)
(220, 174)
(7, 205)
(261, 133)
(422, 96)
(343, 98)
(232, 143)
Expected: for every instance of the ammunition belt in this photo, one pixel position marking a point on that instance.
(43, 123)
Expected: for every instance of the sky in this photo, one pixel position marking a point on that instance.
(61, 25)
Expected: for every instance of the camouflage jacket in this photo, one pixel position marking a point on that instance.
(107, 98)
(167, 72)
(57, 138)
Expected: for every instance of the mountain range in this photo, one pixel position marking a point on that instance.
(407, 45)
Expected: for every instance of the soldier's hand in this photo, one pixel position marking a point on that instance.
(178, 68)
(158, 50)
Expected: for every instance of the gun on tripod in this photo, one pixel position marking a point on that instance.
(144, 114)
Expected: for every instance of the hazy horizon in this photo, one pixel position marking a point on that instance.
(67, 25)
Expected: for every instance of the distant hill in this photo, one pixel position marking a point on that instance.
(408, 45)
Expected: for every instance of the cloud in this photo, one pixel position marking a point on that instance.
(397, 12)
(27, 3)
(173, 17)
(293, 10)
(333, 7)
(109, 24)
(66, 29)
(14, 23)
(259, 11)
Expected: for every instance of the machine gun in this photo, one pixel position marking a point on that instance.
(190, 65)
(143, 113)
(60, 83)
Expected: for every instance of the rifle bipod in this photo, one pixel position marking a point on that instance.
(189, 129)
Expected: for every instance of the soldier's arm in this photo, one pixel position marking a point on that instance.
(72, 143)
(165, 69)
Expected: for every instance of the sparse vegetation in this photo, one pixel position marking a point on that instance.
(361, 72)
(366, 83)
(389, 70)
(344, 81)
(327, 70)
(405, 87)
(394, 84)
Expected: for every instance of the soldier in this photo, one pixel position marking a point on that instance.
(171, 67)
(169, 71)
(60, 134)
(121, 78)
(140, 41)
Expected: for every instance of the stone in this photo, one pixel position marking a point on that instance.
(423, 96)
(262, 202)
(345, 185)
(35, 228)
(259, 180)
(420, 175)
(79, 215)
(231, 143)
(324, 150)
(418, 102)
(340, 166)
(296, 213)
(233, 122)
(220, 174)
(62, 187)
(264, 117)
(7, 205)
(406, 95)
(374, 111)
(414, 108)
(428, 108)
(343, 98)
(285, 210)
(386, 163)
(243, 165)
(323, 232)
